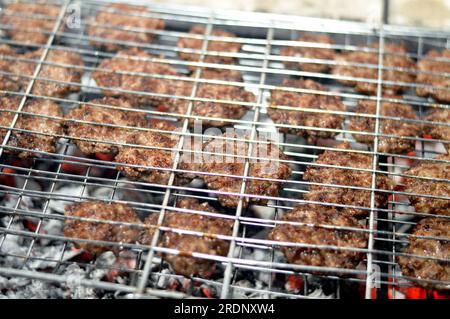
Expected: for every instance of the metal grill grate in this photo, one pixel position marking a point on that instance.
(261, 36)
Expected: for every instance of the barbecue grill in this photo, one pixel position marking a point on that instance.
(34, 253)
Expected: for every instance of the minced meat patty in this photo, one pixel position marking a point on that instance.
(436, 131)
(425, 268)
(434, 170)
(101, 116)
(310, 101)
(8, 82)
(430, 65)
(394, 57)
(400, 128)
(101, 231)
(221, 74)
(310, 53)
(27, 29)
(213, 45)
(32, 141)
(345, 177)
(229, 165)
(316, 235)
(184, 263)
(111, 22)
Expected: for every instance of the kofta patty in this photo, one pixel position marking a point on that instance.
(311, 233)
(101, 231)
(397, 127)
(347, 178)
(267, 166)
(436, 63)
(102, 116)
(310, 53)
(439, 131)
(309, 101)
(211, 226)
(109, 28)
(426, 268)
(417, 186)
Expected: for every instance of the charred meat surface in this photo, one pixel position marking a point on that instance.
(310, 53)
(101, 115)
(347, 178)
(315, 235)
(184, 263)
(30, 23)
(399, 127)
(439, 85)
(36, 141)
(111, 23)
(213, 46)
(439, 248)
(415, 185)
(267, 166)
(309, 101)
(101, 231)
(439, 131)
(394, 58)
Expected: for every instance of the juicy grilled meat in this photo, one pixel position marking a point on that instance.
(229, 165)
(400, 128)
(101, 231)
(345, 177)
(424, 268)
(394, 57)
(316, 235)
(184, 263)
(418, 186)
(310, 53)
(111, 23)
(437, 131)
(431, 64)
(102, 116)
(309, 101)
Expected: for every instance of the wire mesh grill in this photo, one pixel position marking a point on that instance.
(36, 187)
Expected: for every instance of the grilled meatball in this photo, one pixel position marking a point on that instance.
(316, 235)
(213, 46)
(438, 67)
(345, 177)
(394, 57)
(112, 21)
(134, 61)
(184, 263)
(101, 231)
(102, 116)
(31, 141)
(309, 101)
(27, 29)
(229, 165)
(8, 82)
(428, 269)
(436, 131)
(310, 53)
(399, 127)
(429, 169)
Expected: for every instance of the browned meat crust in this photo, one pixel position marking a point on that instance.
(228, 165)
(27, 29)
(433, 170)
(428, 65)
(102, 116)
(316, 235)
(213, 45)
(439, 131)
(423, 268)
(184, 263)
(400, 128)
(393, 58)
(111, 22)
(101, 231)
(310, 53)
(31, 141)
(310, 101)
(345, 177)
